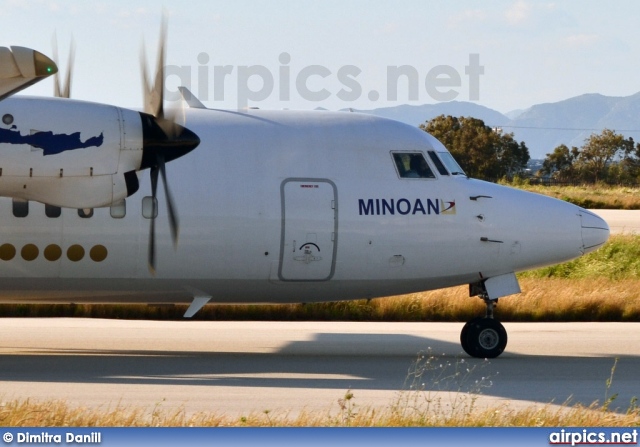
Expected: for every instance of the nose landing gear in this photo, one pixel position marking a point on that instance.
(484, 337)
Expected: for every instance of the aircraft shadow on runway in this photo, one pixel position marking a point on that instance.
(343, 361)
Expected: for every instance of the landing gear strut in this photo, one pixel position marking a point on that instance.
(484, 337)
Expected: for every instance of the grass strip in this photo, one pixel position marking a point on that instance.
(597, 196)
(438, 413)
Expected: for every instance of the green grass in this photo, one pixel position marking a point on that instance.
(618, 259)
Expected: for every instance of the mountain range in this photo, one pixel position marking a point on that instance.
(543, 126)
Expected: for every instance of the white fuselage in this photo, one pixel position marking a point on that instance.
(283, 206)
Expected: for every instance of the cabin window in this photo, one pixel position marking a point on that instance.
(119, 210)
(149, 207)
(412, 165)
(52, 211)
(436, 161)
(20, 208)
(85, 213)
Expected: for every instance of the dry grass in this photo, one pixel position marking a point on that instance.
(548, 299)
(592, 299)
(542, 299)
(591, 196)
(26, 413)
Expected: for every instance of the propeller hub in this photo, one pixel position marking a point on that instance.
(164, 139)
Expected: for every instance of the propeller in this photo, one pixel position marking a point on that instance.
(164, 141)
(63, 91)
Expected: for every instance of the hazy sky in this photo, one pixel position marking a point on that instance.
(529, 52)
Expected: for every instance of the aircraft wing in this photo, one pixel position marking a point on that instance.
(21, 67)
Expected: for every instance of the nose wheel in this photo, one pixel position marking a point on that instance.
(484, 337)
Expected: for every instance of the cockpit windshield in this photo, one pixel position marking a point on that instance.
(451, 164)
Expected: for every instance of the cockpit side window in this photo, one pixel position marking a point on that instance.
(412, 165)
(436, 161)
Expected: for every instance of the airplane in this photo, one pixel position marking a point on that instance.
(275, 207)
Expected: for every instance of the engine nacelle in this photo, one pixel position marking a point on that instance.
(21, 67)
(68, 153)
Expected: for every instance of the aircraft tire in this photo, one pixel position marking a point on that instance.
(464, 333)
(483, 338)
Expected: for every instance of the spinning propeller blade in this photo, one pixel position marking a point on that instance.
(164, 140)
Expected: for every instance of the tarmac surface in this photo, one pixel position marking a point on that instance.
(621, 221)
(237, 368)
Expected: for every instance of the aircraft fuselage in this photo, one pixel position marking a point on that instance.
(279, 206)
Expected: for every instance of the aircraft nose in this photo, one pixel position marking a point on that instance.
(595, 231)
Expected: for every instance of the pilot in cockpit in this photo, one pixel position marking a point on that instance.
(418, 168)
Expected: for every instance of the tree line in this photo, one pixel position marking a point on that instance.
(606, 157)
(483, 152)
(488, 153)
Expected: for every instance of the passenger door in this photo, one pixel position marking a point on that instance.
(309, 230)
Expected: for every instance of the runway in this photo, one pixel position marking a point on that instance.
(621, 221)
(240, 367)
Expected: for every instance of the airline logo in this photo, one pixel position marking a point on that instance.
(404, 207)
(50, 143)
